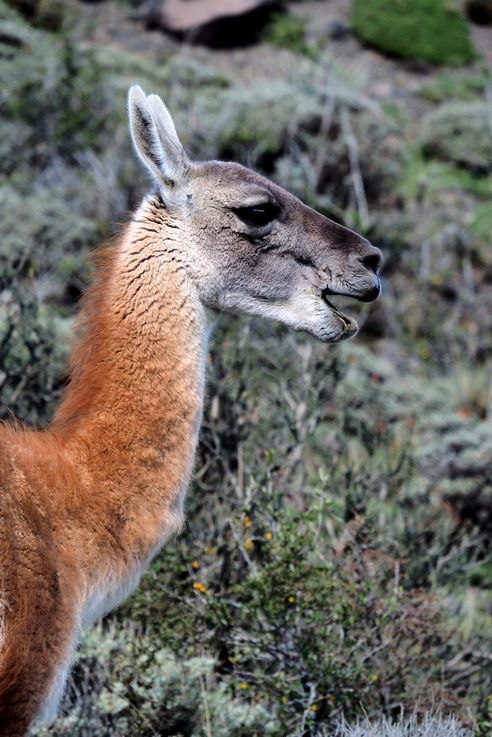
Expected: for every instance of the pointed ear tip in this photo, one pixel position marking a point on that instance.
(157, 103)
(136, 94)
(156, 98)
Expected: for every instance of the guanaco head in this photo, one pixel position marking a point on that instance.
(252, 247)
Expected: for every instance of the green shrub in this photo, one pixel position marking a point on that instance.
(52, 86)
(261, 127)
(431, 178)
(33, 355)
(459, 461)
(480, 229)
(38, 232)
(430, 30)
(138, 687)
(459, 132)
(47, 14)
(456, 85)
(291, 570)
(288, 31)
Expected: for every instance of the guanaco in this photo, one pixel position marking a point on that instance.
(86, 502)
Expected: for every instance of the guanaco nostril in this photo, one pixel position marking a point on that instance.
(372, 261)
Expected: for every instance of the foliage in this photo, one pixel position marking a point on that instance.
(461, 465)
(431, 726)
(414, 29)
(47, 14)
(293, 584)
(34, 353)
(460, 133)
(309, 579)
(433, 177)
(180, 695)
(325, 177)
(288, 31)
(485, 722)
(49, 86)
(481, 227)
(184, 696)
(46, 247)
(337, 556)
(42, 242)
(456, 85)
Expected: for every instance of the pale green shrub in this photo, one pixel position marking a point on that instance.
(430, 726)
(126, 683)
(459, 132)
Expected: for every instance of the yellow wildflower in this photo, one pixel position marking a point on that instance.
(249, 544)
(314, 707)
(243, 685)
(199, 587)
(195, 564)
(246, 521)
(291, 599)
(269, 535)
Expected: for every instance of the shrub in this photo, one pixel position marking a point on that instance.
(459, 132)
(460, 463)
(52, 86)
(43, 255)
(415, 29)
(127, 683)
(33, 351)
(40, 244)
(430, 726)
(47, 14)
(288, 31)
(288, 578)
(480, 229)
(456, 85)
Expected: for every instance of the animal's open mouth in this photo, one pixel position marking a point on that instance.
(349, 324)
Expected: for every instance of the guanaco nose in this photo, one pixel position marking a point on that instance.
(372, 260)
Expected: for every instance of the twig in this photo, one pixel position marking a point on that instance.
(208, 725)
(357, 181)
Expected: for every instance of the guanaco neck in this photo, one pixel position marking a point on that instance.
(133, 408)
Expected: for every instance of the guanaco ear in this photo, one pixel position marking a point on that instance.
(155, 139)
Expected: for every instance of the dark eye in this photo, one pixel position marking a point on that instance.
(257, 215)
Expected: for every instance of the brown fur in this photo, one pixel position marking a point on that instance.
(71, 513)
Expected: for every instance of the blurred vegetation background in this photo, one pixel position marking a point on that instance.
(336, 563)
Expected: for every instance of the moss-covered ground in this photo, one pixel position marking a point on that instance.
(426, 30)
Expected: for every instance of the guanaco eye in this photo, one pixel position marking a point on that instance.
(257, 215)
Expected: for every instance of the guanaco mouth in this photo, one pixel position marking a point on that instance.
(349, 324)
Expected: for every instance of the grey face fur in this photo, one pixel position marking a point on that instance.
(252, 247)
